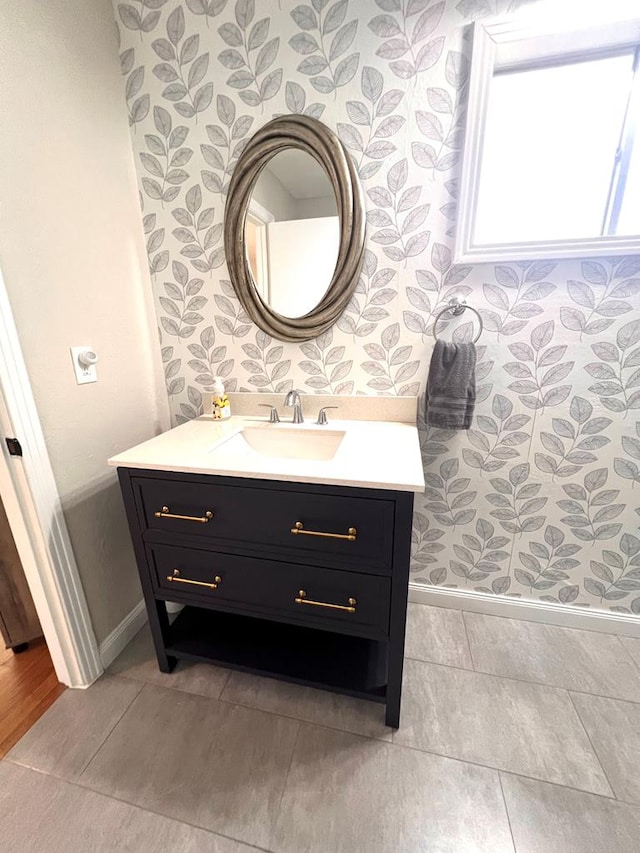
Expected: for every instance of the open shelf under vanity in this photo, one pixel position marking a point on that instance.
(355, 666)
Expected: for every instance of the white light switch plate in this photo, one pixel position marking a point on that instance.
(84, 372)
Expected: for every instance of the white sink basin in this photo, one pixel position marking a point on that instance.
(283, 442)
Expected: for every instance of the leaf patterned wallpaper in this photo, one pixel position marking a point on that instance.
(540, 499)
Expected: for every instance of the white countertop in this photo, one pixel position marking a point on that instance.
(372, 454)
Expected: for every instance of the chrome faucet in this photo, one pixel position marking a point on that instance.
(293, 399)
(322, 415)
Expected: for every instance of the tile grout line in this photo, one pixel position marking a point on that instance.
(523, 680)
(301, 723)
(307, 722)
(287, 774)
(239, 704)
(223, 688)
(494, 769)
(392, 739)
(140, 808)
(488, 767)
(112, 729)
(173, 688)
(393, 743)
(464, 761)
(628, 654)
(449, 757)
(506, 810)
(466, 634)
(536, 621)
(78, 782)
(499, 773)
(595, 751)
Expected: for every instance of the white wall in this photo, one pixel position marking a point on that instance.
(270, 193)
(73, 257)
(302, 256)
(311, 208)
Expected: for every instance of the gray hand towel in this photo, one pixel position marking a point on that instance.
(451, 386)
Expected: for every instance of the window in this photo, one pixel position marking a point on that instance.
(552, 151)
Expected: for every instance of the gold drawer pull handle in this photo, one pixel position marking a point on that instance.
(203, 519)
(302, 599)
(350, 535)
(175, 578)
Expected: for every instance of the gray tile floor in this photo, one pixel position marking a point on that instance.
(515, 736)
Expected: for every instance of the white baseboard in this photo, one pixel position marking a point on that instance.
(531, 611)
(122, 634)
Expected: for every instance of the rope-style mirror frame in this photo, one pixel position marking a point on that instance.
(310, 135)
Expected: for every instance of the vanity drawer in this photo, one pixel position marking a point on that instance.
(324, 528)
(264, 587)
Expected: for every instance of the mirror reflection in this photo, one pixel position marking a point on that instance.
(292, 233)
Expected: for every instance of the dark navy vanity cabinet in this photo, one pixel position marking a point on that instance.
(296, 581)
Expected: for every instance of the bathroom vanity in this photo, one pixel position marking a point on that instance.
(287, 545)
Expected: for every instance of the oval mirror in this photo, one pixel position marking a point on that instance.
(294, 228)
(292, 233)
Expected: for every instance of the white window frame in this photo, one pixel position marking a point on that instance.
(514, 43)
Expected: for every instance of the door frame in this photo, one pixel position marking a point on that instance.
(36, 518)
(262, 218)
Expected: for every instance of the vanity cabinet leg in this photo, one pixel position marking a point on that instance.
(394, 692)
(398, 610)
(396, 655)
(159, 624)
(167, 664)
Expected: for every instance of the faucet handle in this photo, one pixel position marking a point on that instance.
(274, 418)
(322, 415)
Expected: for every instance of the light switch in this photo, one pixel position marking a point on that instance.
(84, 364)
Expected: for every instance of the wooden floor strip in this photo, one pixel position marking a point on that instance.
(28, 686)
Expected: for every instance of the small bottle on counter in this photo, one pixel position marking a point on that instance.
(221, 407)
